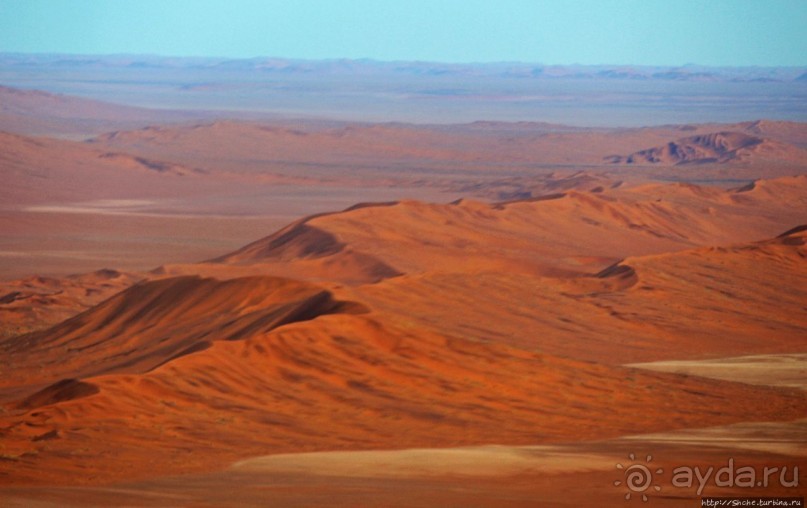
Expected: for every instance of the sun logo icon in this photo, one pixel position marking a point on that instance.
(638, 477)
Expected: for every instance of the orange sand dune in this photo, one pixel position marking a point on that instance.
(423, 326)
(186, 374)
(282, 171)
(153, 322)
(518, 248)
(40, 302)
(700, 303)
(562, 235)
(571, 232)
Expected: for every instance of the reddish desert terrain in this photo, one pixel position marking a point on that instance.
(498, 315)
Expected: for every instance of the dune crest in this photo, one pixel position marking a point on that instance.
(35, 303)
(546, 323)
(529, 236)
(338, 381)
(154, 322)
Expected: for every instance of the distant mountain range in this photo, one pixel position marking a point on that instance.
(416, 68)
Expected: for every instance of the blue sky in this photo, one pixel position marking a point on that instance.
(624, 32)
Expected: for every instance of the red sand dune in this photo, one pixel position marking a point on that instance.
(700, 303)
(420, 325)
(183, 176)
(567, 232)
(40, 302)
(203, 372)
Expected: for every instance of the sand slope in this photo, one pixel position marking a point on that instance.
(60, 198)
(221, 387)
(41, 302)
(424, 325)
(568, 232)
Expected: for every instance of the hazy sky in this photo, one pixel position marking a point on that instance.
(637, 32)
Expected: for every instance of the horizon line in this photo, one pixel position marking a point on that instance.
(391, 61)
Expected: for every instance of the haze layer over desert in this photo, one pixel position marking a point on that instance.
(356, 282)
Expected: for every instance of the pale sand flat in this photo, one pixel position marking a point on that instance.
(493, 460)
(772, 370)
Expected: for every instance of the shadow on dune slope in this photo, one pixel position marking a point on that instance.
(154, 322)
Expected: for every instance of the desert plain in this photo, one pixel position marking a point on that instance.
(227, 308)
